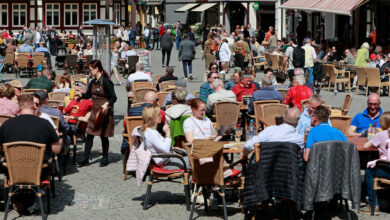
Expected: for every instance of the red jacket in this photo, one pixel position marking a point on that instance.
(240, 90)
(162, 31)
(296, 94)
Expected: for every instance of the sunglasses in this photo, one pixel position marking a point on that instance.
(216, 77)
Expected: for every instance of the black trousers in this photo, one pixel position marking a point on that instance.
(168, 52)
(290, 75)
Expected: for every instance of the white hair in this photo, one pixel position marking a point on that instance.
(140, 66)
(300, 79)
(216, 83)
(365, 45)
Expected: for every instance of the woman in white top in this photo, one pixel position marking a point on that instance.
(157, 143)
(197, 126)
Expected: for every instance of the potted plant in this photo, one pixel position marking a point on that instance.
(71, 43)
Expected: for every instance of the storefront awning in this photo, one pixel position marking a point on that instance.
(342, 7)
(186, 7)
(203, 7)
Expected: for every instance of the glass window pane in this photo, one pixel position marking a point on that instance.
(49, 18)
(93, 6)
(15, 6)
(22, 6)
(23, 18)
(86, 16)
(49, 6)
(4, 18)
(4, 7)
(74, 6)
(67, 6)
(86, 6)
(16, 18)
(74, 18)
(56, 18)
(93, 15)
(67, 18)
(56, 6)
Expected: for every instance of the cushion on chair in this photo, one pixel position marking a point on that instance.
(159, 170)
(45, 182)
(235, 173)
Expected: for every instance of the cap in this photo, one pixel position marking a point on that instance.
(373, 56)
(81, 83)
(181, 83)
(16, 83)
(39, 67)
(42, 95)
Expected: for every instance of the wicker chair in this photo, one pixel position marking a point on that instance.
(141, 85)
(304, 103)
(4, 118)
(58, 96)
(157, 77)
(267, 59)
(9, 62)
(374, 80)
(22, 65)
(38, 58)
(258, 111)
(55, 103)
(31, 91)
(379, 182)
(71, 63)
(212, 173)
(24, 165)
(167, 86)
(341, 122)
(161, 98)
(226, 113)
(283, 92)
(282, 67)
(275, 62)
(272, 110)
(78, 77)
(362, 77)
(346, 104)
(140, 93)
(258, 63)
(131, 123)
(334, 79)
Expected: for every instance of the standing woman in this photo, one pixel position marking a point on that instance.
(207, 51)
(187, 54)
(101, 90)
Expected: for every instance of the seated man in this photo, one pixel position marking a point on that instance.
(305, 120)
(298, 92)
(78, 109)
(126, 52)
(371, 115)
(220, 94)
(26, 48)
(42, 82)
(267, 92)
(234, 80)
(139, 75)
(180, 84)
(205, 88)
(284, 132)
(42, 48)
(244, 87)
(89, 50)
(322, 130)
(167, 77)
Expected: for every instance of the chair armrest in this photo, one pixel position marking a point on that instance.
(382, 162)
(171, 156)
(383, 76)
(251, 116)
(125, 135)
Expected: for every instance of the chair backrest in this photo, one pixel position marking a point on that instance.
(332, 74)
(226, 113)
(361, 74)
(196, 94)
(24, 162)
(22, 60)
(304, 104)
(58, 96)
(157, 77)
(346, 104)
(341, 122)
(267, 58)
(9, 58)
(131, 123)
(55, 103)
(132, 61)
(89, 59)
(141, 85)
(4, 118)
(273, 110)
(373, 77)
(78, 77)
(257, 108)
(38, 58)
(275, 61)
(140, 93)
(167, 85)
(326, 68)
(161, 98)
(71, 60)
(283, 92)
(208, 173)
(31, 91)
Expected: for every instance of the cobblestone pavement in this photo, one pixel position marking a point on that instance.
(101, 193)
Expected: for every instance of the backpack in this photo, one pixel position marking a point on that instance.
(318, 71)
(298, 57)
(240, 49)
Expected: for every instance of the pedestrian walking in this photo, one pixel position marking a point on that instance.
(155, 37)
(166, 46)
(187, 54)
(178, 34)
(147, 36)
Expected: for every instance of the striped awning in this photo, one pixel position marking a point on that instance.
(186, 7)
(341, 7)
(203, 7)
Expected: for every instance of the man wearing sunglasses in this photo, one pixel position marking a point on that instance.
(206, 89)
(370, 116)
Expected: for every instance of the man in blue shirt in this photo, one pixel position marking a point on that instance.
(26, 48)
(305, 121)
(371, 115)
(205, 89)
(322, 130)
(267, 92)
(284, 132)
(42, 48)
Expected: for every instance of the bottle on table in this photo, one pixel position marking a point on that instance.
(251, 132)
(370, 132)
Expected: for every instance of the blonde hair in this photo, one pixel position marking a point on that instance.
(149, 116)
(365, 45)
(384, 120)
(7, 90)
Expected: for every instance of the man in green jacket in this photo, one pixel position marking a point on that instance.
(42, 82)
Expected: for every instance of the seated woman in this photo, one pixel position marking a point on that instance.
(8, 107)
(156, 143)
(198, 126)
(179, 107)
(381, 140)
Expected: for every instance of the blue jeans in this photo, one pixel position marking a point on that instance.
(178, 39)
(185, 63)
(36, 46)
(155, 41)
(147, 40)
(1, 66)
(132, 43)
(381, 171)
(310, 72)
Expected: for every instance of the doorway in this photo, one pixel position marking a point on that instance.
(237, 15)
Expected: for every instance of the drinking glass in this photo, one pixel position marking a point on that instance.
(238, 134)
(307, 130)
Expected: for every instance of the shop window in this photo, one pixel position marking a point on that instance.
(52, 14)
(71, 14)
(19, 14)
